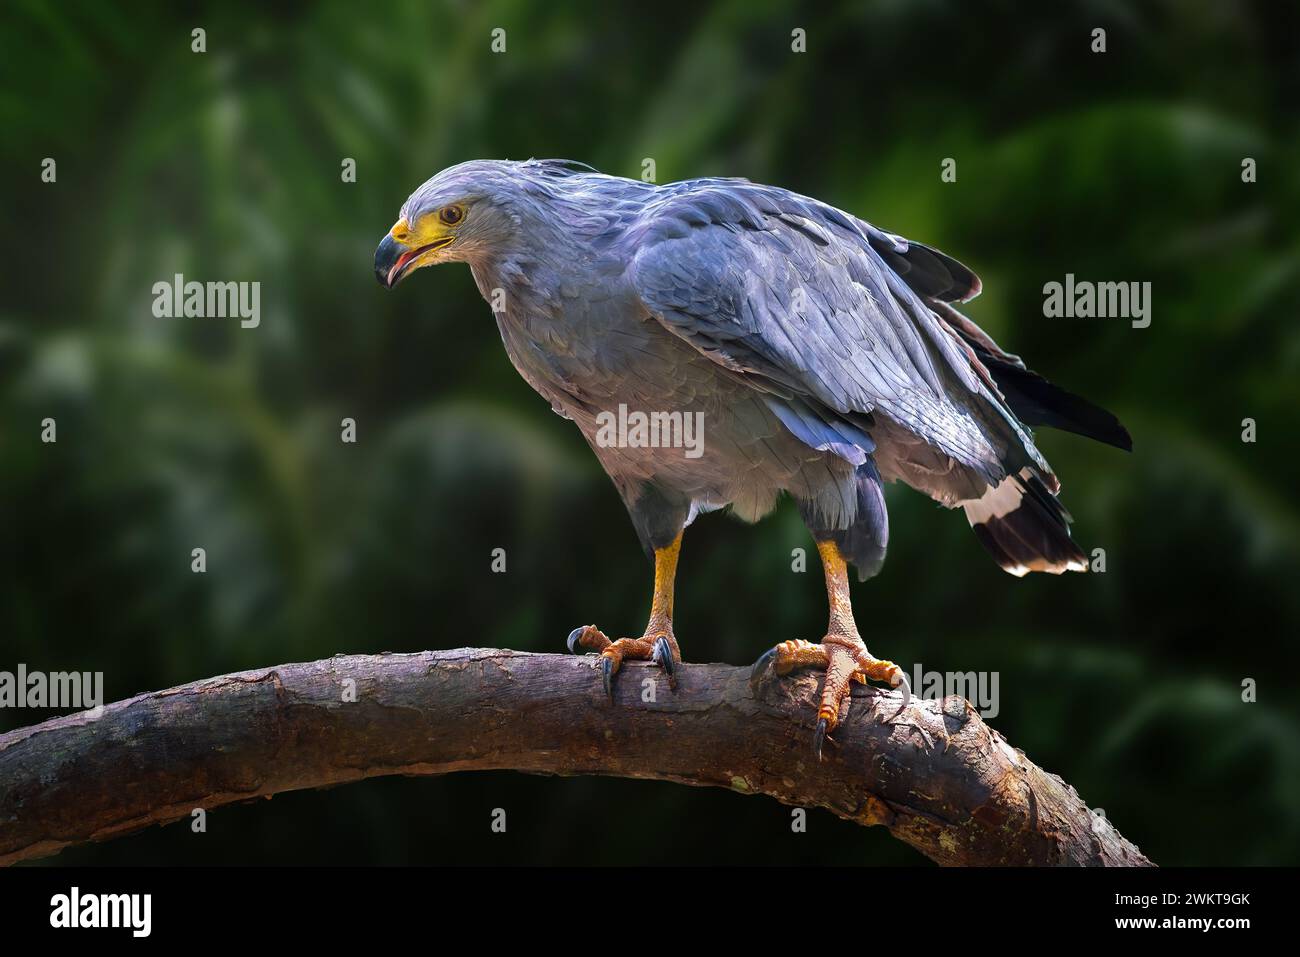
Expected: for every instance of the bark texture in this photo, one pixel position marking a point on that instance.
(938, 778)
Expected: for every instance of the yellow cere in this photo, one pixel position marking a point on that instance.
(426, 231)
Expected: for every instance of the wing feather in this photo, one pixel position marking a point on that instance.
(800, 300)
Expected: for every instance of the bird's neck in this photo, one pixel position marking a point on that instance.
(517, 286)
(527, 283)
(522, 292)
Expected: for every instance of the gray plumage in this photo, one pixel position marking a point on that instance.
(822, 352)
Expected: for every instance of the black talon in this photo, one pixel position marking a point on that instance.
(760, 666)
(573, 639)
(663, 656)
(818, 737)
(608, 668)
(907, 696)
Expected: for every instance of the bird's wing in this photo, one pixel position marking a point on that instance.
(823, 311)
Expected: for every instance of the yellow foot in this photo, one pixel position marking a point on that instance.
(844, 658)
(657, 645)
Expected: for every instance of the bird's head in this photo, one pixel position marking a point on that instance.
(466, 213)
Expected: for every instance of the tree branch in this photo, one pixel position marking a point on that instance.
(938, 778)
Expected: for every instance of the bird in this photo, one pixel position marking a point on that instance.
(821, 356)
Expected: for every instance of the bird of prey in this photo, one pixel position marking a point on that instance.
(821, 355)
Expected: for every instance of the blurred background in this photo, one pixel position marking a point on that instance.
(172, 434)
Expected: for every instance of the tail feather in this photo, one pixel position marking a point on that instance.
(1022, 525)
(1033, 399)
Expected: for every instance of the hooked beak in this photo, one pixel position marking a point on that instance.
(393, 259)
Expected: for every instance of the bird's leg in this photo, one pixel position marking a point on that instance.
(842, 652)
(657, 644)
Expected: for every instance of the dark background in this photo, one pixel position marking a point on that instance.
(1122, 166)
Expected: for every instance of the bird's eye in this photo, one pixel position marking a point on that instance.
(451, 215)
